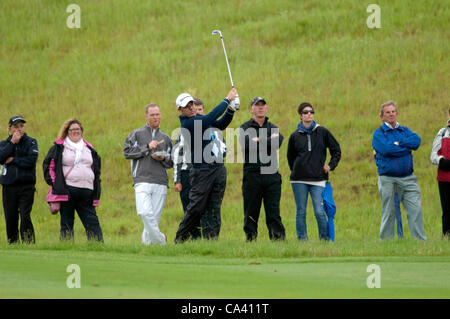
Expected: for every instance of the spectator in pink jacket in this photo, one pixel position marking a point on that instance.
(72, 169)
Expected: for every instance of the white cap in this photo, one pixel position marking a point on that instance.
(183, 99)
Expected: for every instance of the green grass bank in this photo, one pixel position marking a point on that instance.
(129, 53)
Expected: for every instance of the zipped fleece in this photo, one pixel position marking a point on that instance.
(307, 153)
(144, 168)
(22, 170)
(395, 160)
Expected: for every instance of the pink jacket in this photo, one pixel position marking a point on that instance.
(61, 198)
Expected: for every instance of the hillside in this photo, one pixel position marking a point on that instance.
(130, 53)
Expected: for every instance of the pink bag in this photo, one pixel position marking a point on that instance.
(54, 207)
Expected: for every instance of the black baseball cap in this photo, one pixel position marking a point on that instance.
(257, 99)
(13, 120)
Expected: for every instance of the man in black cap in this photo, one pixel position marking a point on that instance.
(260, 141)
(18, 156)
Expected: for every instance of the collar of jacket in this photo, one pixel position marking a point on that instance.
(149, 127)
(299, 129)
(256, 124)
(61, 142)
(389, 128)
(24, 137)
(185, 117)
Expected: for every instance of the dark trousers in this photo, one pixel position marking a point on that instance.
(258, 188)
(444, 192)
(80, 199)
(185, 188)
(207, 189)
(184, 196)
(210, 220)
(18, 201)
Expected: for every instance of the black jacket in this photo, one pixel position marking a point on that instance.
(53, 162)
(22, 170)
(307, 154)
(251, 150)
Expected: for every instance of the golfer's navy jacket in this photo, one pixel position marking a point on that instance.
(198, 124)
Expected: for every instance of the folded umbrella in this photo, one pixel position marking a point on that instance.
(330, 208)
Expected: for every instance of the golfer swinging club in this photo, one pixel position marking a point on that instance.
(208, 174)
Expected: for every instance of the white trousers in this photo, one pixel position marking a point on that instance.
(150, 200)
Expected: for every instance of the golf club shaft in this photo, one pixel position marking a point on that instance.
(226, 59)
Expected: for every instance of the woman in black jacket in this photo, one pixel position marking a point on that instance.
(307, 152)
(72, 169)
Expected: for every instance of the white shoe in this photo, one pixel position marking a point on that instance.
(145, 239)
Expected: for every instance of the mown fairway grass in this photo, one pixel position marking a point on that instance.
(199, 273)
(130, 53)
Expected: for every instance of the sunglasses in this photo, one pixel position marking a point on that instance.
(306, 112)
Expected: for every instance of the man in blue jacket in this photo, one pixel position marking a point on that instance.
(393, 145)
(208, 174)
(18, 156)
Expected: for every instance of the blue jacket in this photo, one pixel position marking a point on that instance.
(395, 160)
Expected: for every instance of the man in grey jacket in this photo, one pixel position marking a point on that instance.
(149, 150)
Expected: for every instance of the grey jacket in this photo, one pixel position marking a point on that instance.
(143, 167)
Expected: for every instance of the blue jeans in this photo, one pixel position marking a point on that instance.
(301, 199)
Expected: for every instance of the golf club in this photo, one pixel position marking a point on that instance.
(237, 102)
(226, 57)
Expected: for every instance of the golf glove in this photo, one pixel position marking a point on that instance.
(235, 103)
